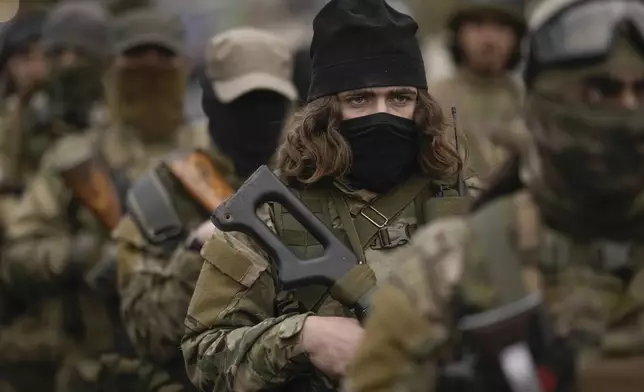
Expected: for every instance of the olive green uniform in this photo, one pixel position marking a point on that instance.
(485, 108)
(53, 240)
(157, 274)
(243, 331)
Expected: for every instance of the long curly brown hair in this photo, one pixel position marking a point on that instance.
(313, 147)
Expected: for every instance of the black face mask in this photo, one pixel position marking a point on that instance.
(248, 129)
(384, 148)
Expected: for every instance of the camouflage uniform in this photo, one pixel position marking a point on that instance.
(158, 272)
(243, 328)
(31, 124)
(552, 238)
(156, 276)
(32, 342)
(485, 105)
(58, 236)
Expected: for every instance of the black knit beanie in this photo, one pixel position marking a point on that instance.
(363, 43)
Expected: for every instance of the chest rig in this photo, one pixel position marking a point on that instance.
(372, 225)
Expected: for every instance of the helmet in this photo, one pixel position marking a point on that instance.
(512, 10)
(569, 32)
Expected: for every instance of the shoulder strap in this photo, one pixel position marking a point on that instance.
(199, 176)
(91, 183)
(150, 206)
(378, 214)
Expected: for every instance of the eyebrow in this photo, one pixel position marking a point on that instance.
(369, 91)
(404, 91)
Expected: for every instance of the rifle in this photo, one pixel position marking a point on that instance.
(350, 282)
(510, 349)
(499, 344)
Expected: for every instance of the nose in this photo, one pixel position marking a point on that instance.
(381, 105)
(69, 58)
(629, 98)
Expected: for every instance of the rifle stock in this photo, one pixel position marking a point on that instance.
(337, 268)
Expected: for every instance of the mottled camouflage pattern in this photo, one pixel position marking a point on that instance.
(585, 301)
(242, 331)
(156, 283)
(45, 257)
(30, 342)
(485, 109)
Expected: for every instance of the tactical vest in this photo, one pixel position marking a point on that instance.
(521, 254)
(369, 227)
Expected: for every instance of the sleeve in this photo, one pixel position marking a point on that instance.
(236, 338)
(418, 296)
(41, 252)
(10, 141)
(155, 287)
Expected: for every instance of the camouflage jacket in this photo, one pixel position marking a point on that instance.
(484, 108)
(59, 230)
(157, 277)
(242, 331)
(586, 301)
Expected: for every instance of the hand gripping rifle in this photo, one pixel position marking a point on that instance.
(350, 282)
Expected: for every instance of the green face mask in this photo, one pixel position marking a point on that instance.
(589, 151)
(74, 90)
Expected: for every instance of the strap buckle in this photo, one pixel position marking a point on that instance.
(380, 215)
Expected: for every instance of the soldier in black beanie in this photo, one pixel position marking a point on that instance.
(367, 154)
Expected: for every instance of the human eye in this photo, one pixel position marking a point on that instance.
(357, 100)
(402, 99)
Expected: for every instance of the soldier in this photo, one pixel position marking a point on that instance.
(570, 228)
(30, 340)
(367, 148)
(22, 71)
(75, 44)
(58, 247)
(485, 38)
(247, 94)
(75, 38)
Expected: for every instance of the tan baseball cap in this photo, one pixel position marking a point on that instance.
(241, 60)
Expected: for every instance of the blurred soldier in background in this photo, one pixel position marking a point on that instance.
(58, 249)
(562, 232)
(75, 39)
(22, 72)
(36, 114)
(247, 94)
(75, 43)
(22, 69)
(485, 43)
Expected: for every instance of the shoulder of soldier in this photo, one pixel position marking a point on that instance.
(235, 255)
(127, 231)
(70, 150)
(440, 252)
(433, 264)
